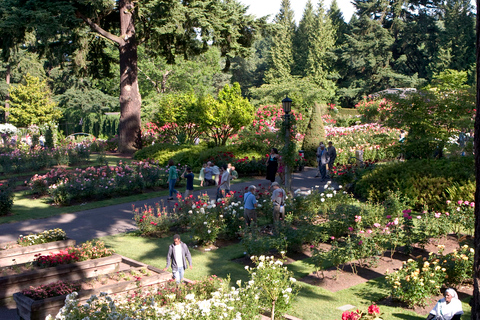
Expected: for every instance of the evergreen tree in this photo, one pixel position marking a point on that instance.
(459, 33)
(321, 41)
(315, 133)
(367, 62)
(301, 40)
(340, 27)
(281, 57)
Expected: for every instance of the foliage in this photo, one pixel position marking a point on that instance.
(89, 250)
(53, 289)
(276, 298)
(315, 134)
(423, 182)
(197, 301)
(420, 279)
(432, 118)
(152, 221)
(30, 103)
(6, 196)
(246, 162)
(42, 237)
(224, 116)
(417, 280)
(100, 182)
(375, 140)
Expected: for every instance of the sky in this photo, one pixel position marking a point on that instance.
(261, 8)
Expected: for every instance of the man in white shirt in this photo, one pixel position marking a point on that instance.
(278, 200)
(177, 256)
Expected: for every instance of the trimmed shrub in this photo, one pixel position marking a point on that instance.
(424, 182)
(314, 134)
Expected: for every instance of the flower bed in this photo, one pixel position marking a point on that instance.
(16, 254)
(29, 308)
(42, 237)
(73, 271)
(100, 182)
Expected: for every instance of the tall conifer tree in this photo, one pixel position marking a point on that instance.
(301, 40)
(281, 56)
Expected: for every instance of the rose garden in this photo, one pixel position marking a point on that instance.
(380, 240)
(367, 127)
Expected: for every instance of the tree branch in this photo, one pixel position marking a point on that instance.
(155, 84)
(95, 27)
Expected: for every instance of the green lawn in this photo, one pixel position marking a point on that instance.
(312, 302)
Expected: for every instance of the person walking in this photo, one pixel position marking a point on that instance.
(172, 179)
(188, 174)
(278, 199)
(332, 155)
(224, 183)
(208, 173)
(272, 164)
(177, 257)
(250, 206)
(322, 158)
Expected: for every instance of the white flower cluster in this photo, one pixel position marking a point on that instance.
(8, 129)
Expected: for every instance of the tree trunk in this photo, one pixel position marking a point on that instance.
(476, 140)
(130, 99)
(7, 98)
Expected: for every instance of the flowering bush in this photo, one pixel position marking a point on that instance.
(42, 237)
(89, 250)
(275, 284)
(459, 264)
(375, 140)
(101, 182)
(6, 196)
(198, 301)
(50, 290)
(373, 313)
(417, 280)
(462, 216)
(152, 220)
(375, 109)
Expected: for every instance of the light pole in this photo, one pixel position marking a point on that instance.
(287, 107)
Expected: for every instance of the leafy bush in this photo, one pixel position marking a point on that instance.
(246, 162)
(417, 280)
(42, 237)
(423, 182)
(6, 196)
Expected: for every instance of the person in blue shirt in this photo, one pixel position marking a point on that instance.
(172, 179)
(188, 174)
(250, 206)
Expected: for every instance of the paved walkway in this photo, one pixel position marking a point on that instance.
(100, 222)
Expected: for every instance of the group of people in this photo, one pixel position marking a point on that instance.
(210, 175)
(278, 198)
(325, 157)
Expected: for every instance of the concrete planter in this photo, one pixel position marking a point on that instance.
(30, 309)
(9, 257)
(73, 271)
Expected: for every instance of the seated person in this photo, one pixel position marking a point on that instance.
(447, 308)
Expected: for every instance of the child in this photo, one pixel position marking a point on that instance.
(189, 176)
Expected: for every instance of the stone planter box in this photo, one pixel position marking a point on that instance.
(73, 271)
(20, 255)
(30, 309)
